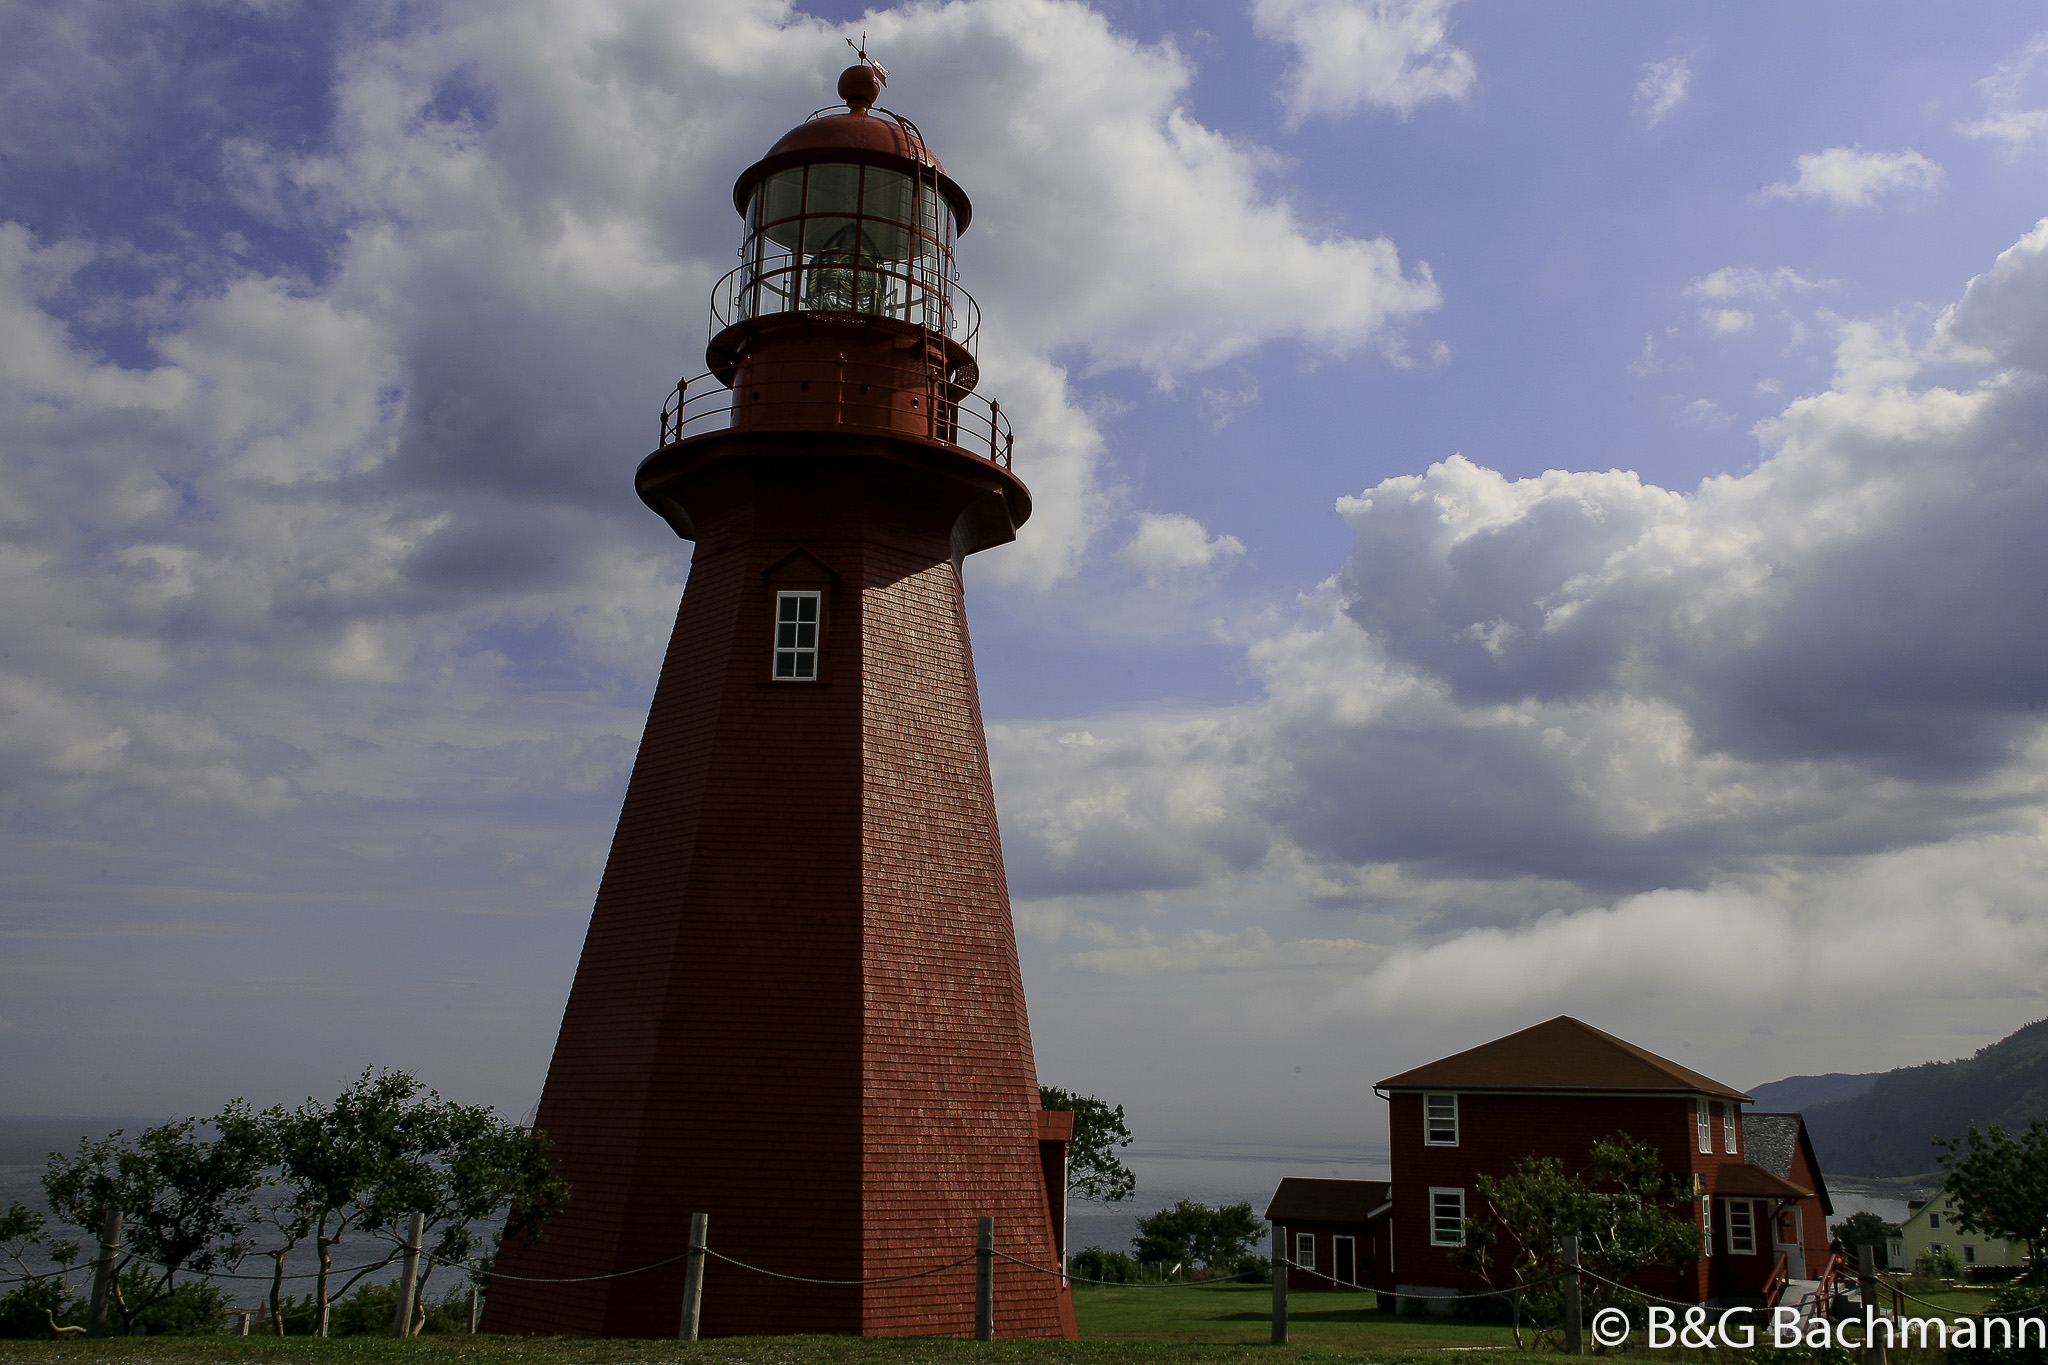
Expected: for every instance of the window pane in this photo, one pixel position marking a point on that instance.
(833, 189)
(886, 194)
(781, 196)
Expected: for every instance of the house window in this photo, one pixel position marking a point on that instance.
(1706, 1217)
(1935, 1247)
(1440, 1120)
(1969, 1255)
(1703, 1124)
(1741, 1226)
(1446, 1217)
(1728, 1116)
(1305, 1250)
(1934, 1222)
(796, 636)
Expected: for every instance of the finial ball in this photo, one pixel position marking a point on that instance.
(860, 85)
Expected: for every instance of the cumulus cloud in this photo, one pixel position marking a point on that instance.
(1850, 177)
(1169, 542)
(1539, 732)
(2007, 118)
(1391, 54)
(312, 483)
(1663, 88)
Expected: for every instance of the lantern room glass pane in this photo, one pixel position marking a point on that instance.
(781, 196)
(833, 189)
(886, 194)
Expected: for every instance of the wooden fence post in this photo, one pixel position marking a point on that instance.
(693, 1275)
(1281, 1265)
(475, 1307)
(408, 1283)
(1866, 1288)
(1574, 1311)
(103, 1274)
(985, 1279)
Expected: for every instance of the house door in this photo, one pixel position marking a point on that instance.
(1785, 1241)
(1346, 1255)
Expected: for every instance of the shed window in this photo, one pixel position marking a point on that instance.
(796, 636)
(1446, 1217)
(1305, 1250)
(1440, 1120)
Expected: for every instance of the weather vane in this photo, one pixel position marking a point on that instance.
(860, 50)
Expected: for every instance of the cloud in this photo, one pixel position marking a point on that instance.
(1663, 88)
(1169, 542)
(1849, 177)
(1526, 695)
(2006, 117)
(1391, 54)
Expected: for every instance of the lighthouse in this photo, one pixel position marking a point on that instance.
(798, 1008)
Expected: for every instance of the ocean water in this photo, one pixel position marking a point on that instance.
(1213, 1173)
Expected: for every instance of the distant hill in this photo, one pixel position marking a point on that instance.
(1797, 1094)
(1888, 1130)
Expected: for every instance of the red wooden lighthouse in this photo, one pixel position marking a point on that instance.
(798, 1008)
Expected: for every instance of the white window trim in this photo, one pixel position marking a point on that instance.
(1436, 1237)
(1729, 1113)
(1703, 1125)
(1305, 1250)
(1728, 1207)
(798, 655)
(1429, 1137)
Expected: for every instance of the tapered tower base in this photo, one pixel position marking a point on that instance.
(799, 1008)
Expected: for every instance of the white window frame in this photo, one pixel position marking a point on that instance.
(1437, 1200)
(1741, 1221)
(1934, 1222)
(1703, 1124)
(1730, 1111)
(1305, 1250)
(796, 660)
(1439, 1109)
(1706, 1217)
(1969, 1255)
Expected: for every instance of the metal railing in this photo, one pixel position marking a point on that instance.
(888, 289)
(811, 395)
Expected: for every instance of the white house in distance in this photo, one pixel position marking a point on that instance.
(1931, 1226)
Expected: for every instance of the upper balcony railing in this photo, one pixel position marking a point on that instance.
(851, 396)
(893, 289)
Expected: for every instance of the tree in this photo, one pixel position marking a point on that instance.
(387, 1148)
(1094, 1171)
(1865, 1229)
(38, 1300)
(1626, 1216)
(184, 1202)
(2000, 1185)
(1193, 1233)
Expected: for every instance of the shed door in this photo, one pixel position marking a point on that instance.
(1346, 1256)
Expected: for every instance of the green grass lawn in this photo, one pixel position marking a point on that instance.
(1171, 1325)
(1240, 1314)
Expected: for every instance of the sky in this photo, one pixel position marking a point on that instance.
(1539, 510)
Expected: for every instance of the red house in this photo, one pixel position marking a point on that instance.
(1556, 1089)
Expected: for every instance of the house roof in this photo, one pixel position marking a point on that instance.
(1301, 1199)
(1743, 1180)
(1561, 1054)
(1773, 1139)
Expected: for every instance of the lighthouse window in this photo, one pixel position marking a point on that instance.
(796, 636)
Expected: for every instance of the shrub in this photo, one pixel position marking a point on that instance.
(1938, 1263)
(22, 1310)
(1094, 1263)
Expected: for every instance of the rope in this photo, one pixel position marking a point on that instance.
(1631, 1289)
(806, 1279)
(1123, 1284)
(1894, 1287)
(569, 1279)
